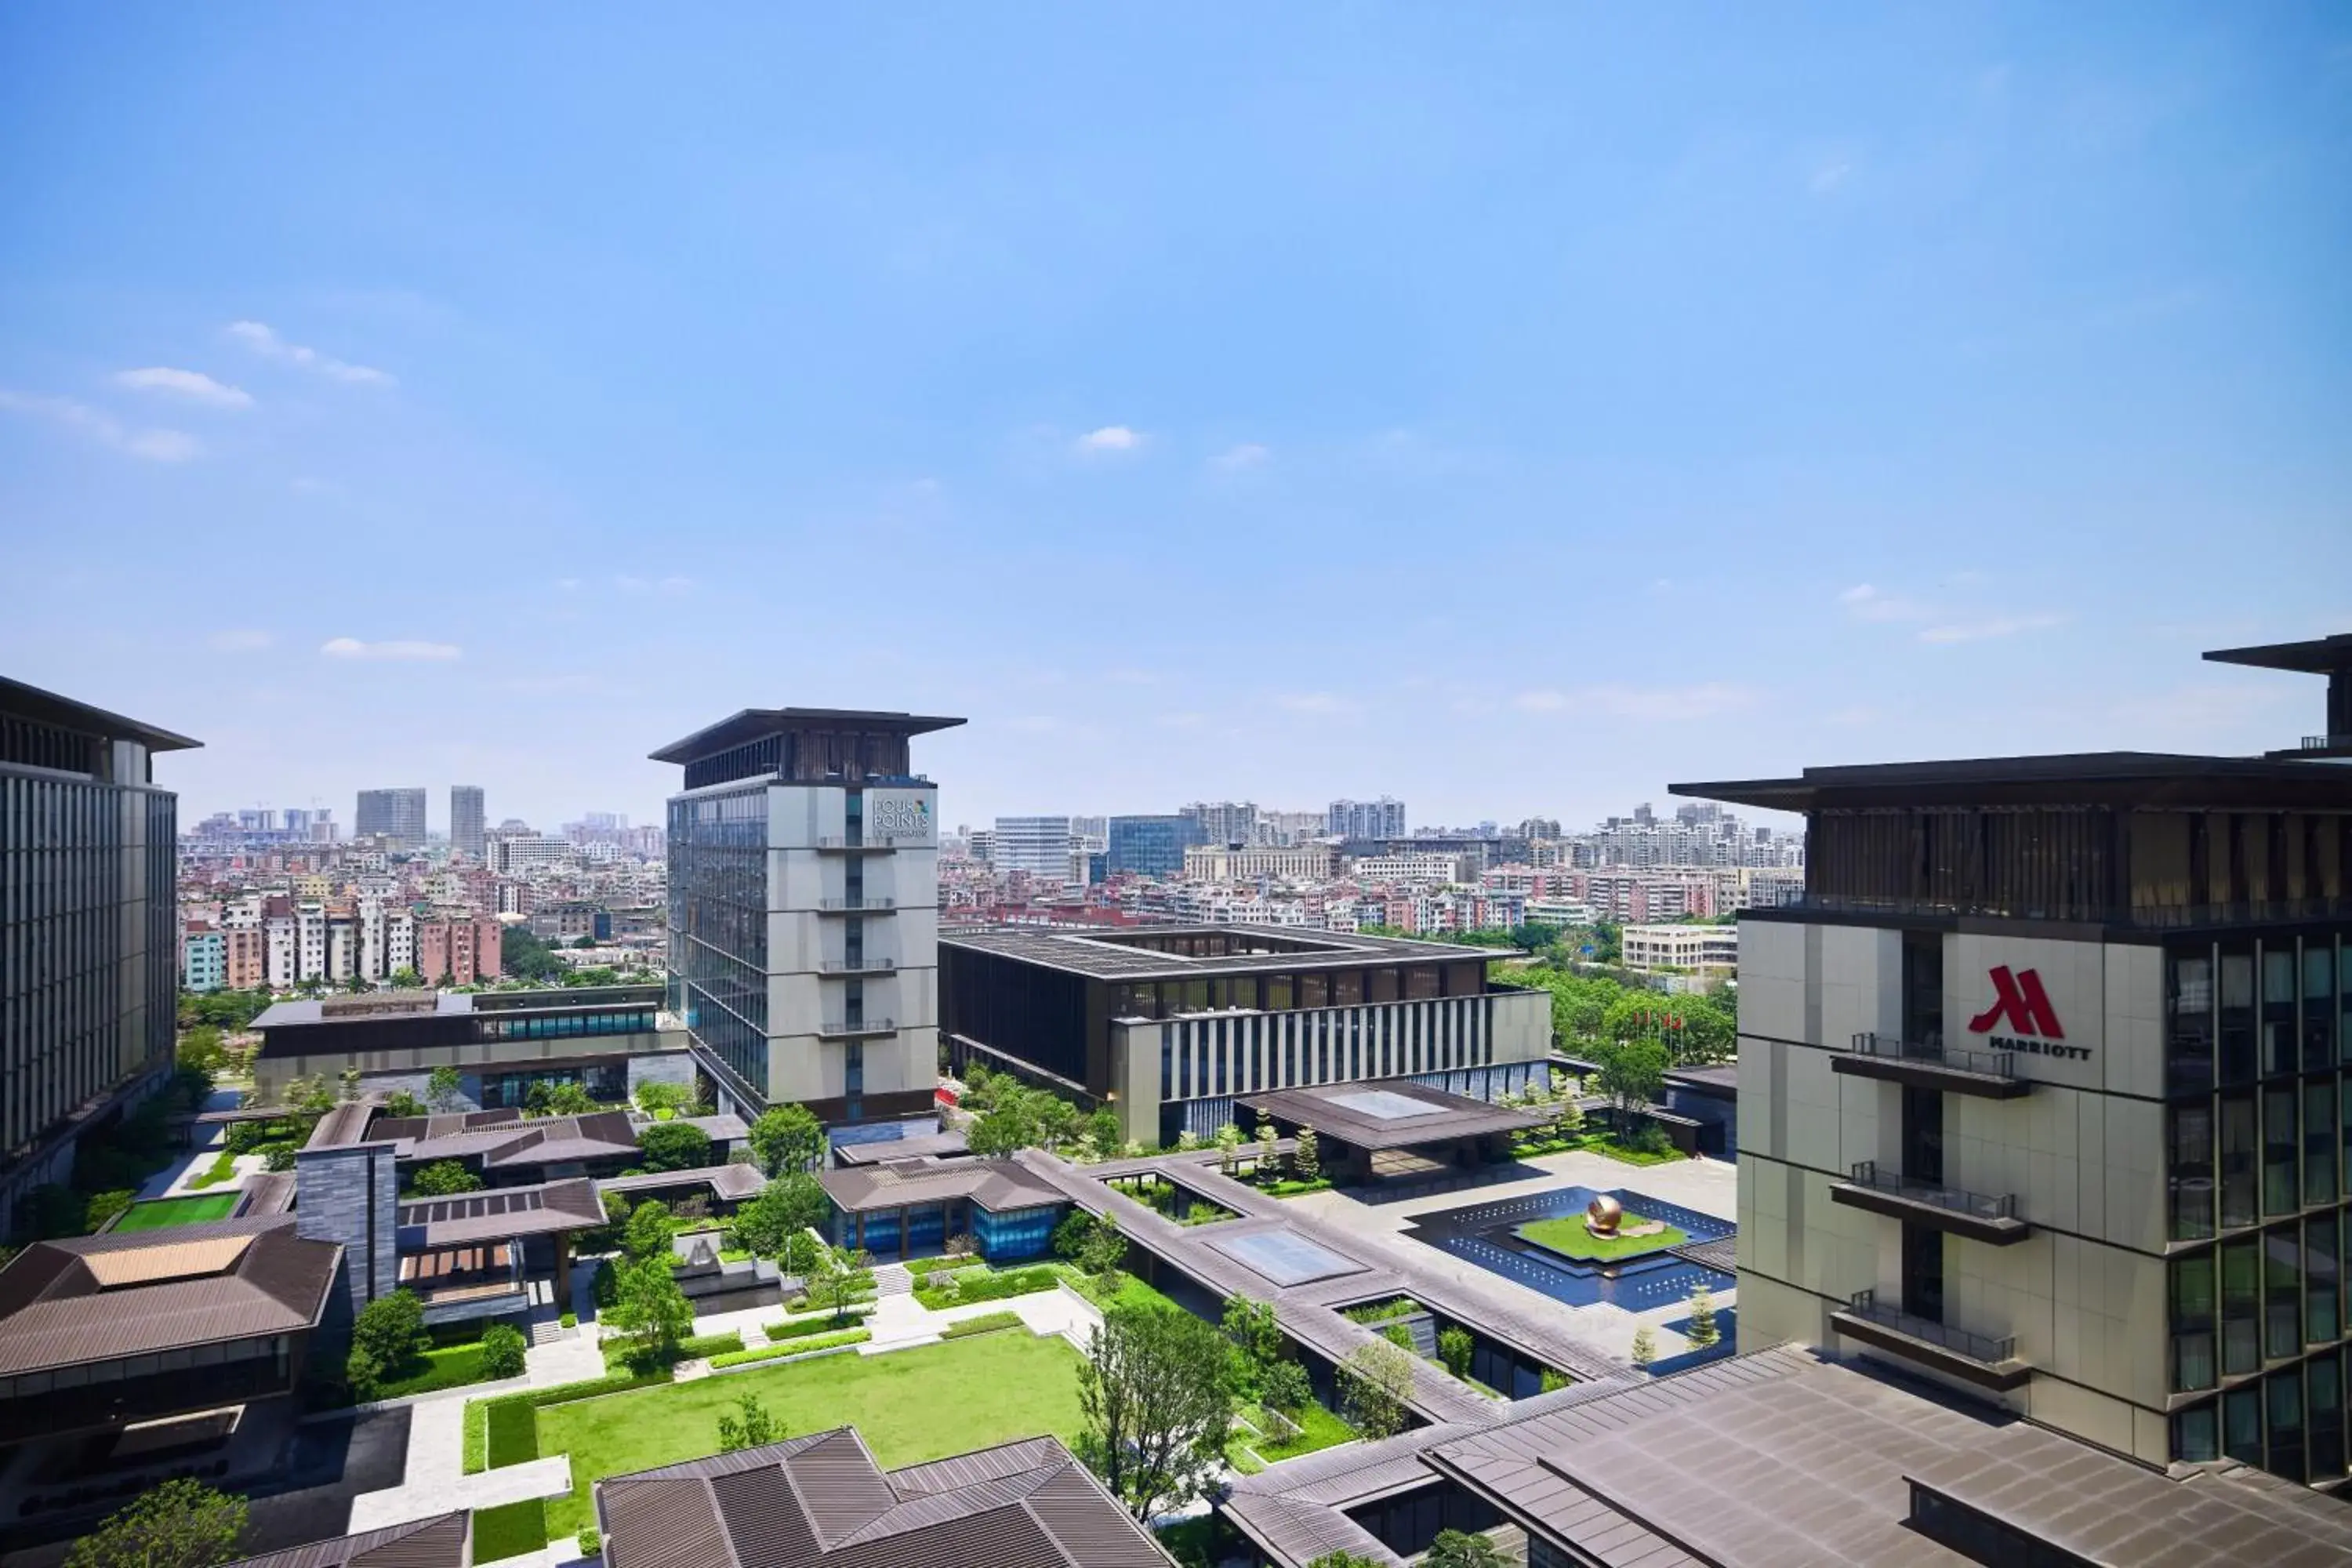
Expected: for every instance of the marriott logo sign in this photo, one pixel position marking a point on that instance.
(2020, 1002)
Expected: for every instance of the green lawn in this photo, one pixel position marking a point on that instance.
(1131, 1292)
(911, 1405)
(222, 1169)
(449, 1366)
(508, 1530)
(1570, 1239)
(1318, 1428)
(162, 1212)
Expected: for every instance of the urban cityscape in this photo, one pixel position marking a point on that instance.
(1342, 789)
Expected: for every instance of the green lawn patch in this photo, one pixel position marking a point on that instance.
(984, 1285)
(986, 1323)
(918, 1267)
(1317, 1428)
(450, 1366)
(1292, 1186)
(509, 1530)
(1569, 1238)
(162, 1212)
(222, 1169)
(823, 1323)
(477, 1436)
(617, 1351)
(911, 1405)
(1383, 1311)
(511, 1433)
(1131, 1292)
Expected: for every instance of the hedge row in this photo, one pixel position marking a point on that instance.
(918, 1267)
(989, 1287)
(824, 1325)
(794, 1347)
(618, 1352)
(986, 1323)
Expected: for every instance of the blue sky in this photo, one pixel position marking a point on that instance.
(1508, 408)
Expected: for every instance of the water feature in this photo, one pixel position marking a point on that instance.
(1486, 1233)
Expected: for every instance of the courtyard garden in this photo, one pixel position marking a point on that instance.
(1570, 1238)
(911, 1405)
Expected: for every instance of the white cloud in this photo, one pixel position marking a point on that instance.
(1998, 626)
(1865, 602)
(1828, 177)
(155, 446)
(1248, 454)
(1665, 703)
(264, 340)
(668, 587)
(192, 385)
(400, 652)
(1313, 702)
(240, 640)
(1110, 438)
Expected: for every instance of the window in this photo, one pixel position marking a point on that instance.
(2281, 1194)
(2242, 1295)
(2318, 992)
(2189, 1165)
(2326, 1405)
(2280, 1053)
(2237, 1027)
(2188, 1055)
(2283, 1394)
(2319, 1144)
(2283, 1292)
(1922, 1272)
(2242, 1426)
(2320, 1281)
(2238, 1162)
(2192, 1313)
(2197, 1435)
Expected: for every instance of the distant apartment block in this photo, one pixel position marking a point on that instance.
(1382, 819)
(1039, 845)
(1224, 821)
(204, 959)
(457, 951)
(465, 819)
(1304, 863)
(90, 957)
(518, 854)
(1423, 868)
(1697, 949)
(397, 814)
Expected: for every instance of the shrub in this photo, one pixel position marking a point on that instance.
(809, 1346)
(363, 1373)
(568, 1321)
(802, 1330)
(279, 1156)
(404, 1104)
(986, 1323)
(591, 1543)
(674, 1146)
(974, 1285)
(1284, 1385)
(390, 1328)
(104, 1207)
(444, 1178)
(502, 1351)
(1553, 1379)
(1454, 1350)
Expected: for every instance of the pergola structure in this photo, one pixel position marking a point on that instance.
(1393, 1126)
(459, 1253)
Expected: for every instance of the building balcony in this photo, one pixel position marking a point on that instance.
(1989, 1075)
(852, 1029)
(838, 844)
(1976, 1216)
(1984, 1361)
(857, 906)
(857, 966)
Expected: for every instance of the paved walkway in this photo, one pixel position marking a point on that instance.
(1710, 1186)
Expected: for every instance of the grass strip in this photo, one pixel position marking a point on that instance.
(793, 1347)
(986, 1323)
(802, 1328)
(511, 1529)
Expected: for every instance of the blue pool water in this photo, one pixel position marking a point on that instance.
(1483, 1233)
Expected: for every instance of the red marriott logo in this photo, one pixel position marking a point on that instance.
(2020, 999)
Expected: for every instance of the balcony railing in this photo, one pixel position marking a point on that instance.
(1931, 1064)
(1985, 1348)
(2327, 743)
(854, 1029)
(870, 841)
(1894, 1183)
(2162, 916)
(857, 966)
(852, 906)
(1935, 1053)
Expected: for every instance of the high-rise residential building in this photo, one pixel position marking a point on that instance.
(465, 819)
(1150, 846)
(1039, 845)
(1224, 821)
(2045, 1089)
(397, 814)
(803, 913)
(89, 954)
(1382, 819)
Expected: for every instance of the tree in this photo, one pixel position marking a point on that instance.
(1306, 1161)
(1285, 1386)
(444, 1092)
(1375, 1381)
(782, 1207)
(178, 1525)
(390, 1329)
(1157, 1395)
(1266, 1139)
(569, 1099)
(1056, 1120)
(1102, 1131)
(406, 978)
(1702, 1333)
(1457, 1549)
(442, 1178)
(674, 1146)
(652, 1313)
(836, 1279)
(403, 1103)
(754, 1429)
(502, 1351)
(1453, 1348)
(1009, 1125)
(1256, 1340)
(1344, 1560)
(1645, 1346)
(786, 1138)
(654, 1096)
(1229, 1143)
(1632, 1075)
(649, 1231)
(309, 1095)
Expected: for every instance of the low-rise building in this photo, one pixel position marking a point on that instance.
(1300, 863)
(204, 958)
(1690, 949)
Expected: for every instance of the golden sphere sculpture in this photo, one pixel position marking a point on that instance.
(1603, 1215)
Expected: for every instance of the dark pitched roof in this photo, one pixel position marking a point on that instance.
(506, 1139)
(440, 1542)
(821, 1502)
(997, 1185)
(48, 708)
(1353, 1112)
(729, 1182)
(99, 1298)
(757, 723)
(2127, 777)
(941, 1144)
(501, 1214)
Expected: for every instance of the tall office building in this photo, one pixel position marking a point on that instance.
(803, 913)
(1150, 846)
(1382, 819)
(2045, 1089)
(88, 930)
(1037, 845)
(396, 813)
(465, 819)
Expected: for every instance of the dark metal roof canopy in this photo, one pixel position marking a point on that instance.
(2330, 656)
(18, 701)
(2109, 778)
(758, 723)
